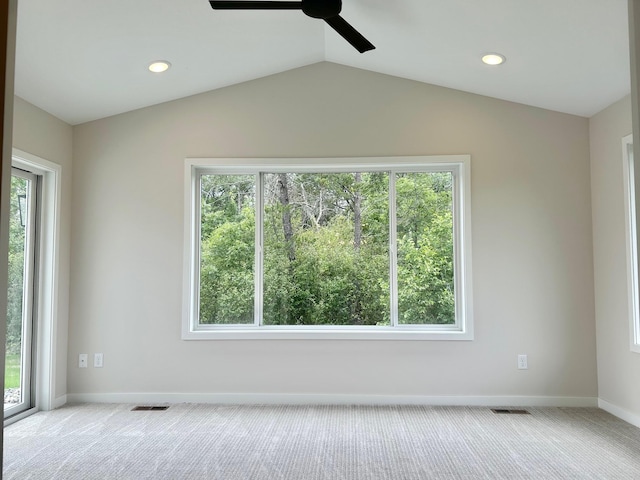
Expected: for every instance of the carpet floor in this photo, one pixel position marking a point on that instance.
(196, 441)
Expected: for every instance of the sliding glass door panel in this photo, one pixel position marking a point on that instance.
(23, 236)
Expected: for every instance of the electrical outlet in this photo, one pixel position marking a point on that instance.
(522, 362)
(98, 360)
(83, 360)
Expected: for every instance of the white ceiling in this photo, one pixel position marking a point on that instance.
(86, 59)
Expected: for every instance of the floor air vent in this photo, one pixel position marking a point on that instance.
(147, 408)
(509, 411)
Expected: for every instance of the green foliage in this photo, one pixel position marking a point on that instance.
(12, 371)
(326, 249)
(425, 249)
(328, 283)
(16, 268)
(226, 271)
(223, 197)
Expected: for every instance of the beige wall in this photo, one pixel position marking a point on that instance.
(41, 134)
(618, 367)
(532, 249)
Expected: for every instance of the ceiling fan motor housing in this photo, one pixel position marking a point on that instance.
(322, 8)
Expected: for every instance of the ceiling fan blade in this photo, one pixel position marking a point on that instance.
(261, 5)
(349, 33)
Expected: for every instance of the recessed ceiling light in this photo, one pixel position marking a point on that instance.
(493, 59)
(159, 66)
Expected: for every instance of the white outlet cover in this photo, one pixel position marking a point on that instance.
(98, 360)
(522, 362)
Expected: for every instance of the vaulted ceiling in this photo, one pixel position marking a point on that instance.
(81, 60)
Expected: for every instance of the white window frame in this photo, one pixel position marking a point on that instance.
(458, 164)
(47, 289)
(631, 201)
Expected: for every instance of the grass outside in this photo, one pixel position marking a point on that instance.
(12, 371)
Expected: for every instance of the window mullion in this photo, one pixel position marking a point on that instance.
(458, 264)
(196, 219)
(259, 251)
(393, 254)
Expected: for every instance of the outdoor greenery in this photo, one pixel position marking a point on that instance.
(15, 285)
(12, 371)
(16, 267)
(326, 248)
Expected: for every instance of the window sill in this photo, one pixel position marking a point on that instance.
(342, 333)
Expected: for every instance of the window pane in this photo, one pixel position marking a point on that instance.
(16, 308)
(425, 248)
(227, 249)
(632, 242)
(326, 249)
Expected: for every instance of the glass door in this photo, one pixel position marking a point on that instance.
(18, 387)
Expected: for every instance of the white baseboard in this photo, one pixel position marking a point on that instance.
(327, 399)
(59, 401)
(626, 415)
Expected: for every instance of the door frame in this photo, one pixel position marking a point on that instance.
(46, 324)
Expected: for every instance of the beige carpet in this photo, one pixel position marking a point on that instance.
(193, 441)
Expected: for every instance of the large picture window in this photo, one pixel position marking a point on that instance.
(336, 248)
(631, 224)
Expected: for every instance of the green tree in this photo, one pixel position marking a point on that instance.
(341, 260)
(326, 248)
(16, 267)
(425, 249)
(227, 249)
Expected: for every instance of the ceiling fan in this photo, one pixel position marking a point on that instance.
(327, 10)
